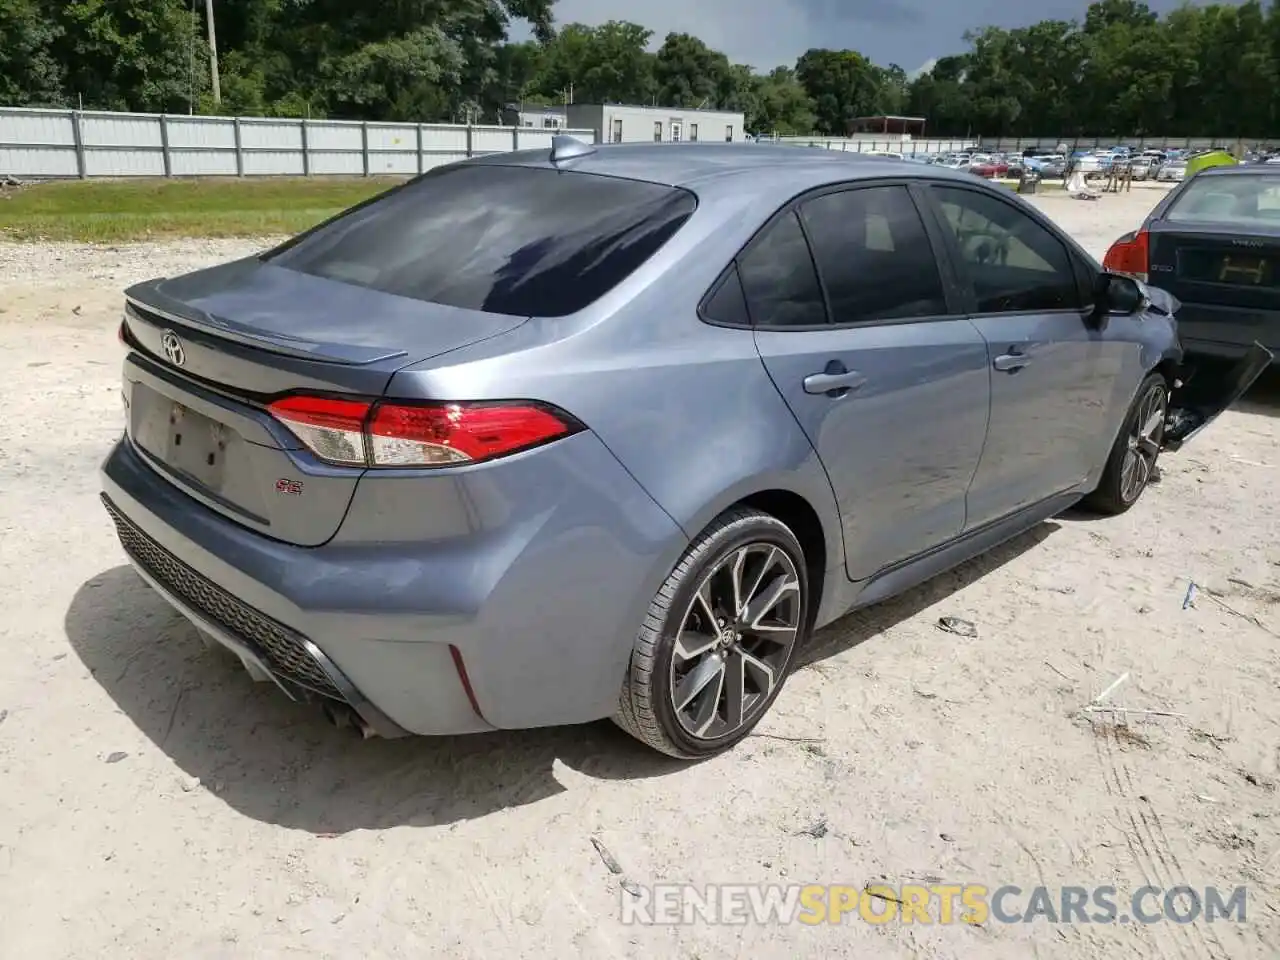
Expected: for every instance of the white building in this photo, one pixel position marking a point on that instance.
(626, 123)
(542, 118)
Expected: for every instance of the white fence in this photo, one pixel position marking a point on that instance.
(1049, 144)
(907, 146)
(73, 143)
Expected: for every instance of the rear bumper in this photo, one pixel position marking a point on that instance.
(527, 622)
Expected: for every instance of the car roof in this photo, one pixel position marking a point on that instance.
(706, 165)
(1240, 170)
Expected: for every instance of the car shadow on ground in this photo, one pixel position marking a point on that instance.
(280, 762)
(858, 627)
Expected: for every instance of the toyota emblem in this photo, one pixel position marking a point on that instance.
(172, 348)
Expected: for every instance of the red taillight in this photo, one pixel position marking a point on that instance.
(332, 429)
(386, 434)
(1129, 254)
(428, 436)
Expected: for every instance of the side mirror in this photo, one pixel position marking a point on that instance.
(1114, 293)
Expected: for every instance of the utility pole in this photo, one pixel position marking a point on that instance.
(213, 53)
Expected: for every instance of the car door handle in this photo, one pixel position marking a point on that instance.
(834, 382)
(1011, 362)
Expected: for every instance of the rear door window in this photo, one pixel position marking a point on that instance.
(521, 241)
(874, 255)
(779, 279)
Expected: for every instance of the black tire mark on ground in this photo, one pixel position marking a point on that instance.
(1161, 940)
(1213, 946)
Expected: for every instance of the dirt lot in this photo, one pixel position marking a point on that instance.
(157, 803)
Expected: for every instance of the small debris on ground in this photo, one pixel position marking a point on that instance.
(881, 892)
(818, 829)
(1122, 733)
(961, 628)
(946, 837)
(3, 715)
(116, 756)
(611, 863)
(1059, 672)
(607, 858)
(1253, 779)
(1204, 736)
(1116, 684)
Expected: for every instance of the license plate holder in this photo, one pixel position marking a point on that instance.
(1244, 271)
(195, 446)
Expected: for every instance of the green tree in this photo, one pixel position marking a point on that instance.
(781, 105)
(129, 54)
(31, 75)
(843, 84)
(688, 73)
(600, 64)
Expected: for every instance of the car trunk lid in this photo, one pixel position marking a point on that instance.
(211, 349)
(1227, 278)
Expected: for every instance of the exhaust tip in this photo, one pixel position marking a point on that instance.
(343, 717)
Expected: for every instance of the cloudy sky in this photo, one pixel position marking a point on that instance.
(765, 33)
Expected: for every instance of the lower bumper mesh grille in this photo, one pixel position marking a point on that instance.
(283, 649)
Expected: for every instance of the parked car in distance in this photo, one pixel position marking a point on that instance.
(988, 166)
(1172, 171)
(546, 437)
(1214, 243)
(1048, 166)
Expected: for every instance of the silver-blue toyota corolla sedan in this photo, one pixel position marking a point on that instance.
(554, 436)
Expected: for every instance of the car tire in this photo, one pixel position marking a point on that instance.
(679, 694)
(1132, 464)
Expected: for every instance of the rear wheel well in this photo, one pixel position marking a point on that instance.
(1168, 369)
(795, 511)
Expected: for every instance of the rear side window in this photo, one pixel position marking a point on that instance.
(779, 279)
(874, 255)
(510, 240)
(728, 304)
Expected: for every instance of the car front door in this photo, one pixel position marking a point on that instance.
(1054, 375)
(860, 334)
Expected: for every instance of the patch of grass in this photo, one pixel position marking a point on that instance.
(115, 211)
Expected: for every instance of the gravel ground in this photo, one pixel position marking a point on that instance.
(156, 803)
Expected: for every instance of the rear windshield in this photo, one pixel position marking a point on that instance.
(1248, 200)
(511, 240)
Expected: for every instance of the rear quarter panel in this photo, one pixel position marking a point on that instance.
(687, 408)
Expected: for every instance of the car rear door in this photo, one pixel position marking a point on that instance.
(859, 332)
(1055, 379)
